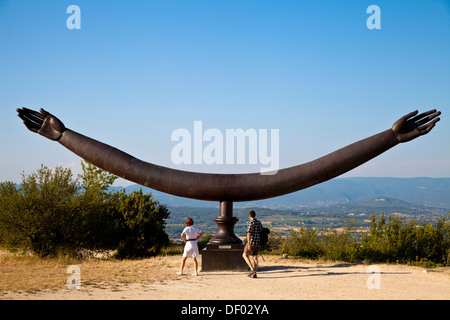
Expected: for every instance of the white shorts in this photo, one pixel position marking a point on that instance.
(191, 250)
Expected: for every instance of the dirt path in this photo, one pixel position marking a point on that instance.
(285, 279)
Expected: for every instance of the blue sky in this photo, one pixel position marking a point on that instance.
(138, 70)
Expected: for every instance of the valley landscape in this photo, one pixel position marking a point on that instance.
(329, 205)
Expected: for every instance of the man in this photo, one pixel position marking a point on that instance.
(251, 249)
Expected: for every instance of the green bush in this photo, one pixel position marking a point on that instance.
(339, 246)
(407, 242)
(140, 225)
(39, 213)
(391, 240)
(50, 212)
(303, 243)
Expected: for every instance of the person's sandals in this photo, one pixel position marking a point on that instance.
(182, 274)
(252, 274)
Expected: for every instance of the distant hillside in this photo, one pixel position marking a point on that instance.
(434, 192)
(387, 206)
(283, 221)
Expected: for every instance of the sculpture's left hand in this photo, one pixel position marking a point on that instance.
(42, 122)
(412, 125)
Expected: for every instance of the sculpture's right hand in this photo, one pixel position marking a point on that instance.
(412, 125)
(43, 123)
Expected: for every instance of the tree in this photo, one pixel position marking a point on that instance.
(11, 226)
(96, 208)
(141, 225)
(134, 224)
(38, 214)
(51, 212)
(94, 179)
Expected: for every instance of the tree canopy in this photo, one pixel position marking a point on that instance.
(52, 212)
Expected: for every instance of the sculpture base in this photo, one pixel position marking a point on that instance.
(218, 257)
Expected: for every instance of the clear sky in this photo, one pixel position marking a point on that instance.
(138, 70)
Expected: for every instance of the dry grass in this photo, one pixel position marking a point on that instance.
(31, 278)
(29, 274)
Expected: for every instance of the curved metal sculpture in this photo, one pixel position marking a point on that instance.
(228, 188)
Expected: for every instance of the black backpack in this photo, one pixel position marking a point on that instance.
(264, 236)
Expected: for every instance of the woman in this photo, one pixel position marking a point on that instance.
(190, 235)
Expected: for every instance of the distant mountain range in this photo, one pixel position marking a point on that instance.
(387, 206)
(426, 192)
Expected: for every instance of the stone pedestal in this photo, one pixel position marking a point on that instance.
(216, 257)
(224, 251)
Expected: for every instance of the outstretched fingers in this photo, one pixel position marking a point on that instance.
(32, 115)
(425, 117)
(423, 114)
(33, 120)
(30, 112)
(429, 118)
(427, 127)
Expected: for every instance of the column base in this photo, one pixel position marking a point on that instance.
(218, 257)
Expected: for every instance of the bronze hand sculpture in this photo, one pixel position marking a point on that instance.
(228, 187)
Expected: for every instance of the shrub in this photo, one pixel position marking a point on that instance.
(50, 212)
(140, 225)
(407, 242)
(39, 214)
(304, 243)
(340, 245)
(391, 240)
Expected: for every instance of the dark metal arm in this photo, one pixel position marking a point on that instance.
(228, 187)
